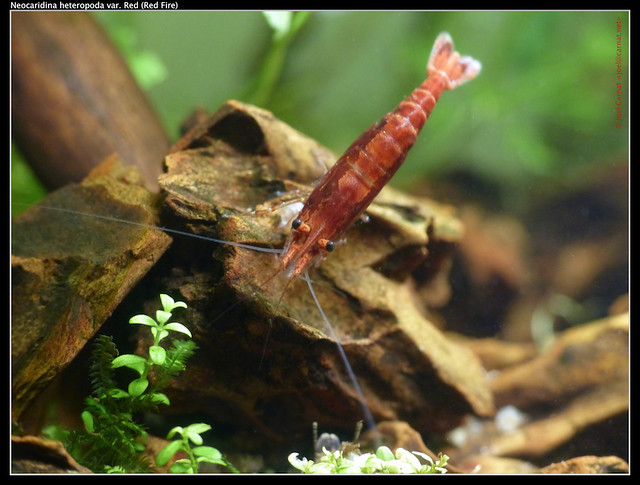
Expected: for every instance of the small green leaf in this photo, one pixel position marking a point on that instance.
(384, 453)
(162, 316)
(131, 361)
(211, 454)
(139, 447)
(143, 320)
(373, 463)
(138, 386)
(181, 466)
(167, 302)
(178, 327)
(168, 305)
(159, 398)
(194, 437)
(158, 334)
(173, 431)
(302, 465)
(197, 428)
(117, 393)
(157, 354)
(87, 419)
(56, 432)
(168, 451)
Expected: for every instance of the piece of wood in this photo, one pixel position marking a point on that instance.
(32, 454)
(570, 399)
(267, 359)
(74, 101)
(70, 271)
(588, 465)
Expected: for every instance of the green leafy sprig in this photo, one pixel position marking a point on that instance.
(196, 455)
(160, 328)
(112, 441)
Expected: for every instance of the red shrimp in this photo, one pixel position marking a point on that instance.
(348, 188)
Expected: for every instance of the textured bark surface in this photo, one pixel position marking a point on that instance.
(70, 271)
(266, 355)
(573, 395)
(31, 454)
(589, 465)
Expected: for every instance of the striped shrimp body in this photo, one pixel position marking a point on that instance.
(348, 188)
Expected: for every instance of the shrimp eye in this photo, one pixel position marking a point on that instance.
(329, 246)
(301, 226)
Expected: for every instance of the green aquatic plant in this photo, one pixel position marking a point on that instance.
(383, 461)
(158, 356)
(112, 440)
(196, 455)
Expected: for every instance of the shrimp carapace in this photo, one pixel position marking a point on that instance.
(348, 188)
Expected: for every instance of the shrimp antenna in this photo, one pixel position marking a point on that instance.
(160, 228)
(368, 417)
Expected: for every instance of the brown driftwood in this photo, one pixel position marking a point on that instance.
(74, 101)
(70, 271)
(586, 369)
(267, 359)
(589, 465)
(31, 454)
(571, 398)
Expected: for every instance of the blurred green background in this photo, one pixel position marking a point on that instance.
(541, 113)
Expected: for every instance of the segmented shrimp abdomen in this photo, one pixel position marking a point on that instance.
(379, 152)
